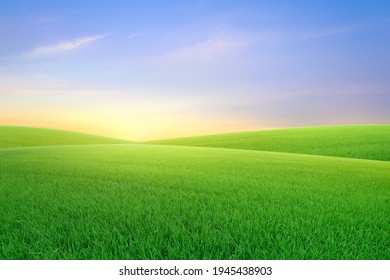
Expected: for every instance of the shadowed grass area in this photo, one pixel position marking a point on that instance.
(354, 141)
(17, 136)
(164, 202)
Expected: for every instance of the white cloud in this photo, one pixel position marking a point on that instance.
(379, 88)
(65, 46)
(329, 31)
(209, 49)
(135, 35)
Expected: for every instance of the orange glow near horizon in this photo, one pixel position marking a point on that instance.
(126, 74)
(133, 127)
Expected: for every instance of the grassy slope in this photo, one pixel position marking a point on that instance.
(355, 141)
(16, 136)
(163, 202)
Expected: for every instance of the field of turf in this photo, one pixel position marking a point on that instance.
(353, 141)
(143, 201)
(13, 136)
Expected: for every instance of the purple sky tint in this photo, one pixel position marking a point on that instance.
(157, 69)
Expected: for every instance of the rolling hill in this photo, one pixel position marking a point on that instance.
(144, 201)
(17, 136)
(354, 141)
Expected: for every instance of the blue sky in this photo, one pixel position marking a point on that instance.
(157, 69)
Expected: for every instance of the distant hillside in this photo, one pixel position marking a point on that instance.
(354, 141)
(15, 136)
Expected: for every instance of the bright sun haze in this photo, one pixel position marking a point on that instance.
(163, 69)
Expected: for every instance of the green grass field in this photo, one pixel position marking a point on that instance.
(353, 141)
(14, 136)
(144, 201)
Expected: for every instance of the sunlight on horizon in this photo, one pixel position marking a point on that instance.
(141, 72)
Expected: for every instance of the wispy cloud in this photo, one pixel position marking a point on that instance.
(209, 49)
(135, 35)
(379, 88)
(46, 20)
(65, 46)
(329, 32)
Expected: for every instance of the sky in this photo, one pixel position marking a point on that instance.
(144, 70)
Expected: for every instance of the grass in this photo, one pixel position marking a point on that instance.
(353, 141)
(16, 136)
(164, 202)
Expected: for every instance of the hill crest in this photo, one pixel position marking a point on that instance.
(354, 141)
(21, 136)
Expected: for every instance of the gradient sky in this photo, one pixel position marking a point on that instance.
(158, 69)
